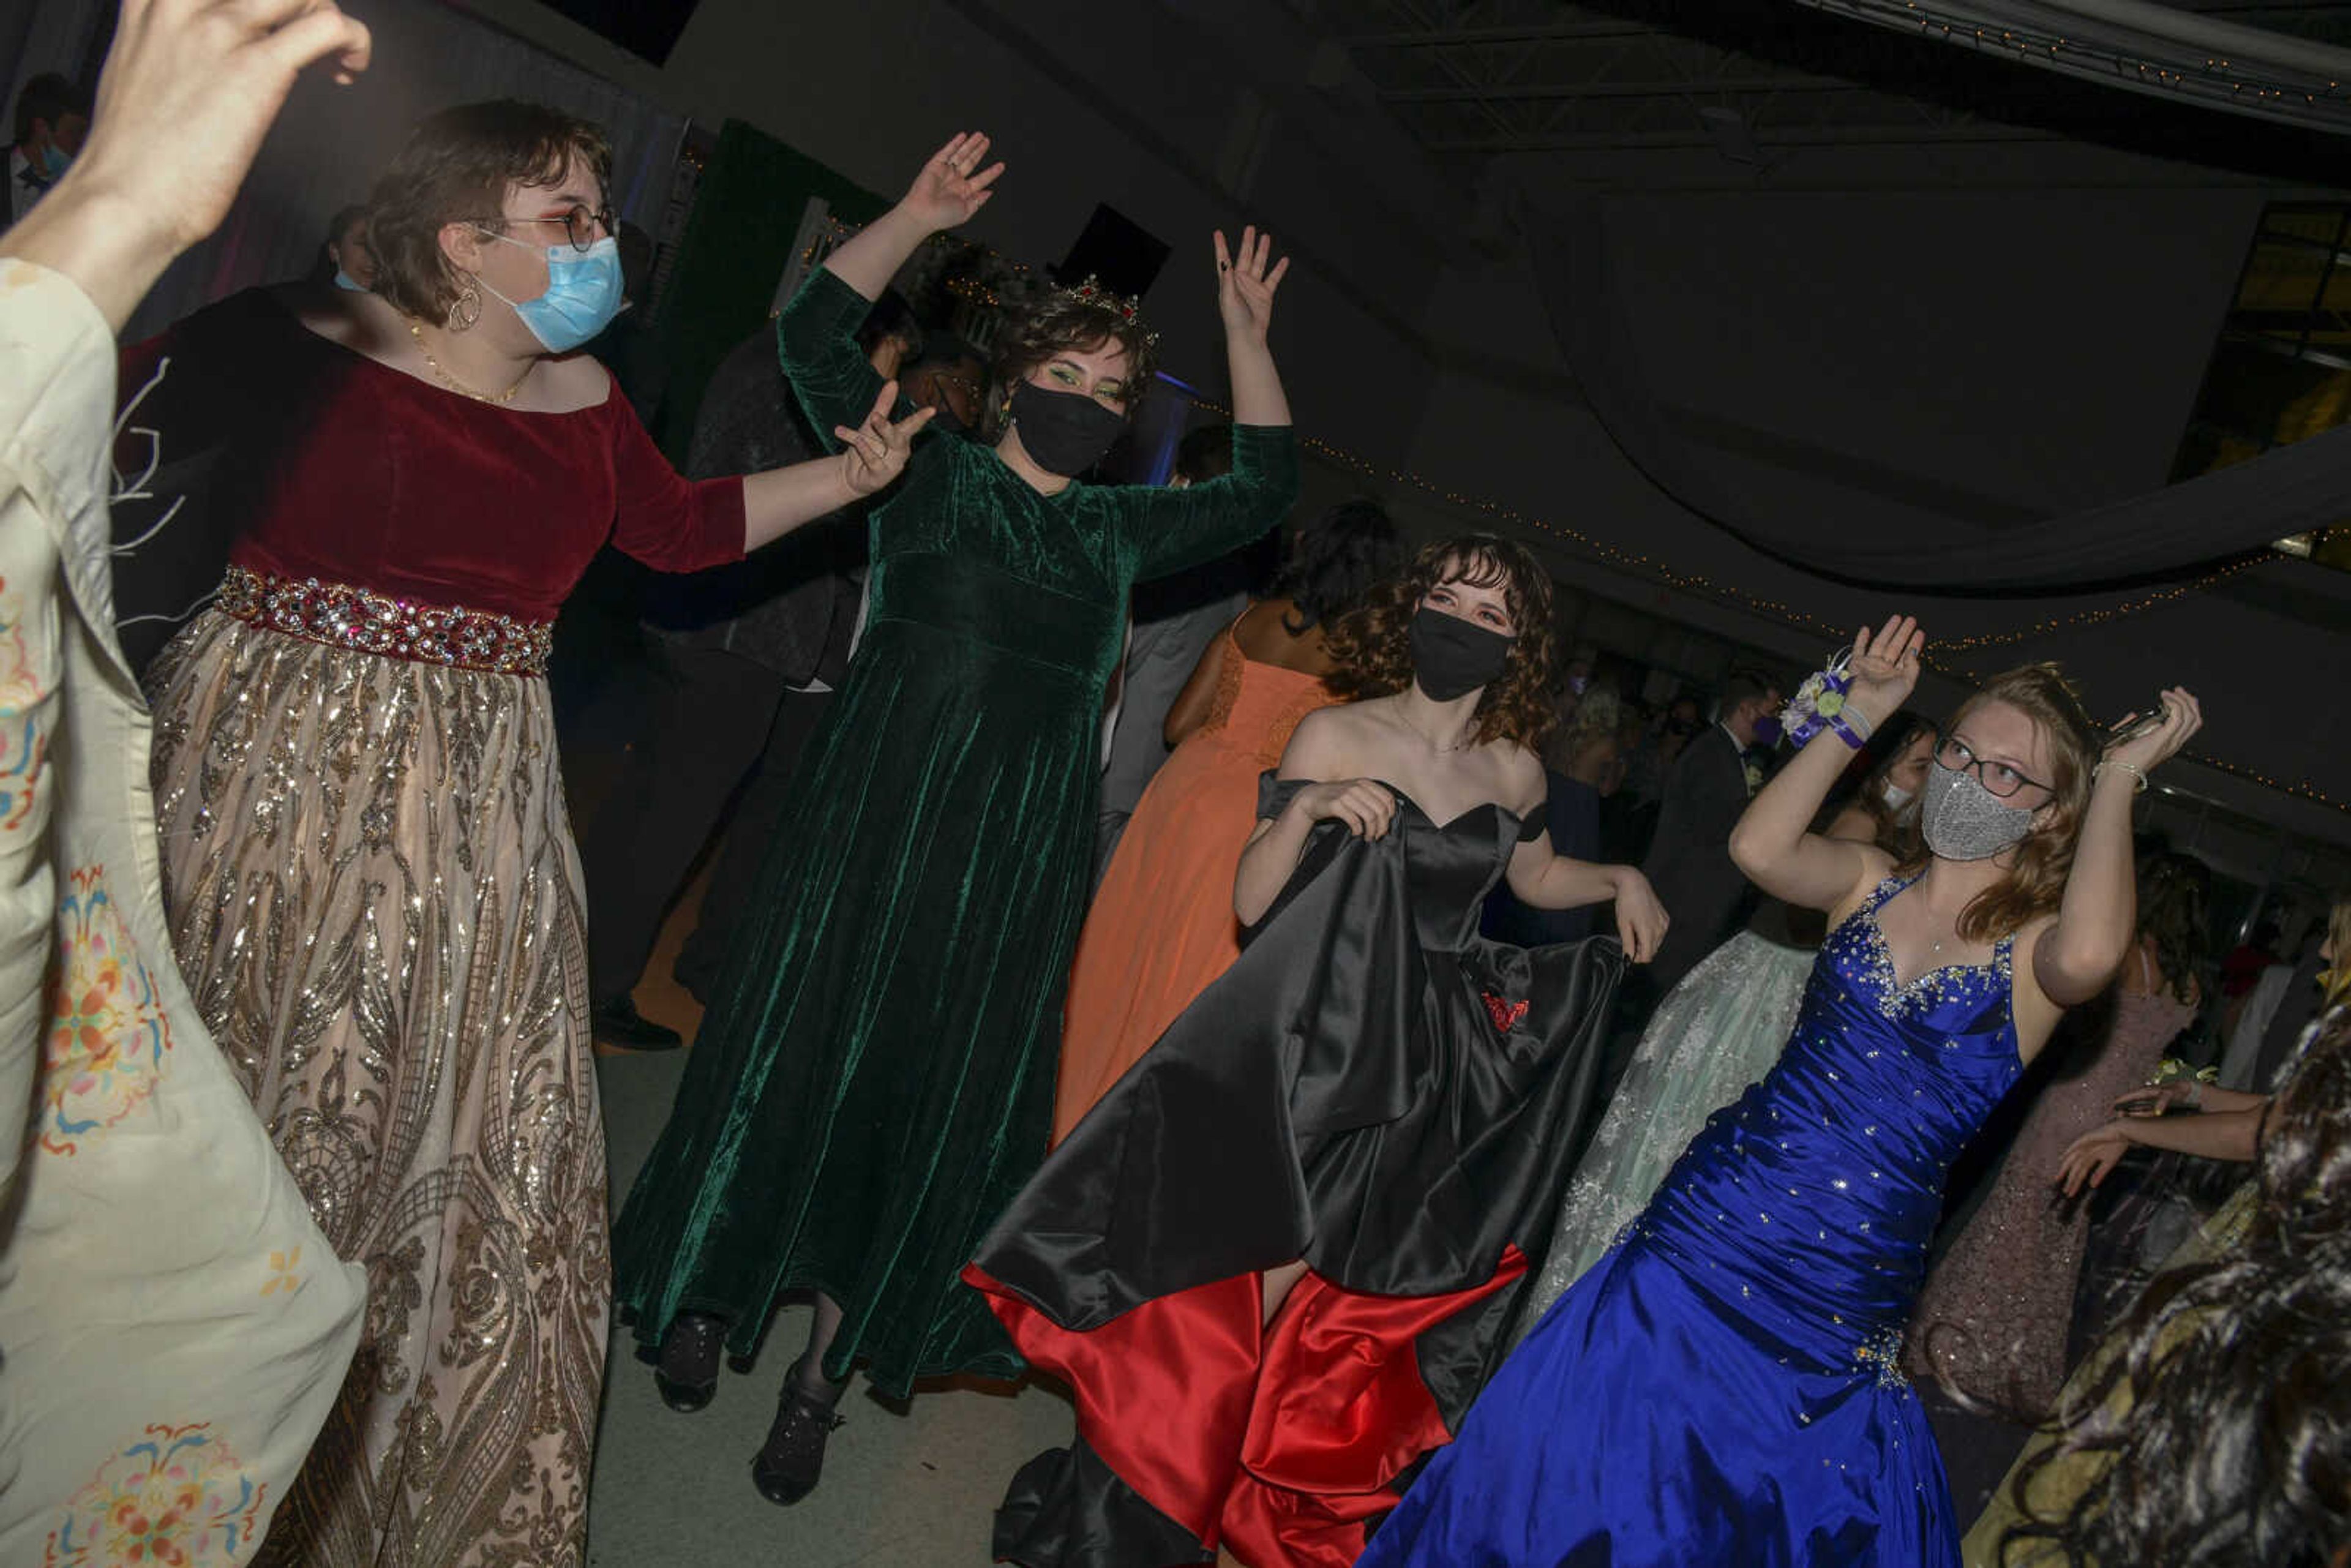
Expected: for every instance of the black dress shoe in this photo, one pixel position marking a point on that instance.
(788, 1464)
(687, 1373)
(619, 1023)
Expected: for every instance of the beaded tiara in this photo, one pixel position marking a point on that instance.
(1090, 290)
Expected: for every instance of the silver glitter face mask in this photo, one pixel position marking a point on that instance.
(1965, 822)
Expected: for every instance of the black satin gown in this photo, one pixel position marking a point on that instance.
(1374, 1088)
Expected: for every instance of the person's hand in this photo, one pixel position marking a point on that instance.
(875, 452)
(189, 90)
(2182, 717)
(2156, 1099)
(1245, 283)
(1367, 806)
(952, 186)
(2092, 1157)
(1641, 920)
(1885, 668)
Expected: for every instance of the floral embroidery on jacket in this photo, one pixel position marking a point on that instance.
(107, 1033)
(177, 1497)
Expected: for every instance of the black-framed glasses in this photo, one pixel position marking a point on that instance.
(583, 225)
(1997, 776)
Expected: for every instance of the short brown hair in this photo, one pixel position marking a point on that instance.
(457, 165)
(1373, 645)
(1060, 322)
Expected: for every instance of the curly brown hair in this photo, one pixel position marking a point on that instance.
(1373, 645)
(1060, 322)
(455, 167)
(2036, 884)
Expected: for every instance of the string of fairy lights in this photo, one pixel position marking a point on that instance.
(1943, 652)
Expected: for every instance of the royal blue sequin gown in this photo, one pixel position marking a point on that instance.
(1724, 1386)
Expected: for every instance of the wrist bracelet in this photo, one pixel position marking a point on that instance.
(2138, 778)
(2194, 1099)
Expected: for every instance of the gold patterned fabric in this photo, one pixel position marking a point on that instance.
(373, 892)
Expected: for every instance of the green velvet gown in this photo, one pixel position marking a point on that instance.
(875, 1079)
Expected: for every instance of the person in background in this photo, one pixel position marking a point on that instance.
(2209, 1429)
(1161, 926)
(369, 874)
(52, 118)
(344, 259)
(875, 1078)
(1993, 1319)
(747, 657)
(176, 1325)
(950, 379)
(1688, 862)
(1175, 621)
(1583, 762)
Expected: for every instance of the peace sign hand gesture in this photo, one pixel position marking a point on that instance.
(1885, 668)
(875, 452)
(1245, 285)
(952, 186)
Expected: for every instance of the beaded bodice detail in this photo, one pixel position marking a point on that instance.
(1811, 1197)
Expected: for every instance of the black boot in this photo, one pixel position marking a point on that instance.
(687, 1373)
(619, 1023)
(788, 1464)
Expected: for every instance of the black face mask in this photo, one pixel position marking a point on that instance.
(1066, 432)
(945, 417)
(1452, 657)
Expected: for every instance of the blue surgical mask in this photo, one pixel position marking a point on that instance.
(345, 280)
(583, 293)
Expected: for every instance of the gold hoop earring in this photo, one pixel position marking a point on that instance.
(465, 309)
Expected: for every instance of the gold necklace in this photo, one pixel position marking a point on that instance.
(453, 385)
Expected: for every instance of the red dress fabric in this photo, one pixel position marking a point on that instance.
(337, 467)
(1278, 1441)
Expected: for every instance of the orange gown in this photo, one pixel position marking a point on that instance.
(1161, 926)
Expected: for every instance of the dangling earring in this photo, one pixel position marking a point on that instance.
(465, 309)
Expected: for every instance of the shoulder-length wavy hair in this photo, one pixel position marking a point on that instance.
(1373, 645)
(1894, 831)
(2231, 1446)
(2035, 882)
(457, 167)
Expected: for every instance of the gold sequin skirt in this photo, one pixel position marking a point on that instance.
(373, 892)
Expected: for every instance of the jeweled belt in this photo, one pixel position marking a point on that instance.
(345, 616)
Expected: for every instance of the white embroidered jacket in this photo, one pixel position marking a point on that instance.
(174, 1328)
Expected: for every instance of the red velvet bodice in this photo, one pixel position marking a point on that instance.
(335, 466)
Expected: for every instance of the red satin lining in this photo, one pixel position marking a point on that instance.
(1278, 1444)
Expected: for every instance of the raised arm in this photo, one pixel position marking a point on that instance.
(1174, 529)
(2077, 954)
(815, 336)
(1772, 843)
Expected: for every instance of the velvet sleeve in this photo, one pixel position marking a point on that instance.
(816, 339)
(1168, 530)
(667, 521)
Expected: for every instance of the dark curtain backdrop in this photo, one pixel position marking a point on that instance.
(2162, 534)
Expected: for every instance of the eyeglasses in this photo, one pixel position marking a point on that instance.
(583, 225)
(1997, 776)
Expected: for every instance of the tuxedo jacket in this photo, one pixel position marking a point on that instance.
(1689, 859)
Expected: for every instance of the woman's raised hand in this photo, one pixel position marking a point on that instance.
(875, 452)
(952, 185)
(1884, 667)
(1365, 805)
(1245, 282)
(2182, 717)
